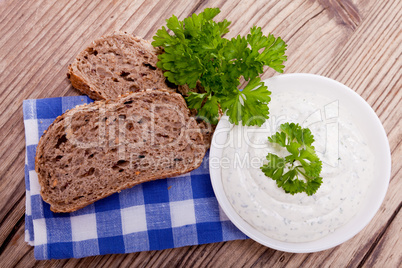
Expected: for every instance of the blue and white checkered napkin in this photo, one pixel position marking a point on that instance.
(162, 214)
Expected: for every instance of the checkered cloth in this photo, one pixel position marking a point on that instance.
(162, 214)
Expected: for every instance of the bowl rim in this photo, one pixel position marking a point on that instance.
(321, 243)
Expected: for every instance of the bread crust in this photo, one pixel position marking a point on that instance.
(52, 184)
(83, 86)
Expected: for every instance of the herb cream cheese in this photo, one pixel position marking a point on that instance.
(347, 170)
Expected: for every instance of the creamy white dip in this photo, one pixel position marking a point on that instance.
(347, 170)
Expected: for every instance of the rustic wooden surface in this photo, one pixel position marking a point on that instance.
(355, 42)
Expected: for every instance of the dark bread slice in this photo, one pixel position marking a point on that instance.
(95, 150)
(120, 63)
(114, 65)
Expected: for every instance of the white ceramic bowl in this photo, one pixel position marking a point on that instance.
(368, 124)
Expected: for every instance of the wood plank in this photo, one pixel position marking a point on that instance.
(16, 18)
(354, 42)
(363, 58)
(17, 251)
(9, 9)
(344, 12)
(162, 11)
(12, 77)
(12, 186)
(15, 218)
(382, 256)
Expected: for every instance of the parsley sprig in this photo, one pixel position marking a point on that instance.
(300, 170)
(196, 51)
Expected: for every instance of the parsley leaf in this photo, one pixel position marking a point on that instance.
(300, 170)
(210, 109)
(195, 50)
(250, 105)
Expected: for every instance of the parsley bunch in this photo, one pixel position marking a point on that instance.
(302, 161)
(196, 51)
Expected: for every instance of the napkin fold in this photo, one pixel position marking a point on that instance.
(168, 213)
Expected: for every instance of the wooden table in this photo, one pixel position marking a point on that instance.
(355, 42)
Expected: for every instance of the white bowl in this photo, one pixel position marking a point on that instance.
(368, 123)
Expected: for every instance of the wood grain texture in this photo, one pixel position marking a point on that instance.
(357, 42)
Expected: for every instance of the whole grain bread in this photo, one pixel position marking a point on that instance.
(95, 150)
(119, 63)
(116, 64)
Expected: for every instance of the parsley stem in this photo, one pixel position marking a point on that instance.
(303, 173)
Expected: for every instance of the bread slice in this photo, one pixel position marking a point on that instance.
(119, 63)
(114, 65)
(95, 150)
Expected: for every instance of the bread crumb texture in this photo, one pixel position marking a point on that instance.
(95, 150)
(116, 64)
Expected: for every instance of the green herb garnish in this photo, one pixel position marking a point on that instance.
(299, 171)
(196, 51)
